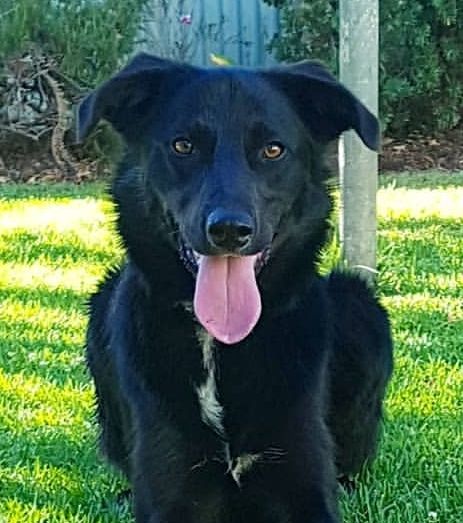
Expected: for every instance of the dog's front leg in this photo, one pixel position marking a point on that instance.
(176, 479)
(146, 513)
(306, 500)
(295, 476)
(311, 493)
(159, 470)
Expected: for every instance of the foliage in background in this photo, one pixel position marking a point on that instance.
(421, 77)
(421, 52)
(85, 41)
(88, 38)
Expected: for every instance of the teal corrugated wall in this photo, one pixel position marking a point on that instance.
(191, 30)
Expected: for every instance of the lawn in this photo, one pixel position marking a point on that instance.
(55, 244)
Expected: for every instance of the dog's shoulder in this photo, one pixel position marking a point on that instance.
(346, 289)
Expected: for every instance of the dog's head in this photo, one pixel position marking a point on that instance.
(229, 156)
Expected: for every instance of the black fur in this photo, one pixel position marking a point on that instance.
(304, 390)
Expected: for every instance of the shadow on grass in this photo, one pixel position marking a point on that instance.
(409, 264)
(57, 191)
(26, 247)
(427, 332)
(414, 475)
(51, 446)
(50, 356)
(46, 469)
(61, 475)
(63, 299)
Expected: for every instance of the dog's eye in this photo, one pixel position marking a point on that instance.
(182, 146)
(273, 151)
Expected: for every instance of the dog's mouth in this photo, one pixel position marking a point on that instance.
(192, 259)
(227, 299)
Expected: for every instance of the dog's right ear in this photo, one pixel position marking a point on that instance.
(124, 99)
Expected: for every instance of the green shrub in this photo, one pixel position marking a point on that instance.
(421, 56)
(87, 37)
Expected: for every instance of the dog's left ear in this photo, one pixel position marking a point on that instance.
(325, 106)
(126, 99)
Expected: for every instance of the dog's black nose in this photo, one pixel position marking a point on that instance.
(229, 231)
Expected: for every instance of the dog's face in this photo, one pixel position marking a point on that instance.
(227, 154)
(228, 160)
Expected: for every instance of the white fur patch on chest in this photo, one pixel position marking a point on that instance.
(211, 409)
(241, 465)
(212, 414)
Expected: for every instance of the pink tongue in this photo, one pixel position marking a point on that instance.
(227, 300)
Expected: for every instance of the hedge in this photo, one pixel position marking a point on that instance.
(88, 38)
(421, 56)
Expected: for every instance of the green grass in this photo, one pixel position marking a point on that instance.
(55, 243)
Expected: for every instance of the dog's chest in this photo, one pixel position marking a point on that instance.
(212, 411)
(208, 397)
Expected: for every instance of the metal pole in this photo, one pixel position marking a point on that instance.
(358, 57)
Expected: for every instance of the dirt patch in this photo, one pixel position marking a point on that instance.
(26, 161)
(418, 153)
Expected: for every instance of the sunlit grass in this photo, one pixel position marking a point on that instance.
(419, 472)
(79, 278)
(55, 244)
(400, 203)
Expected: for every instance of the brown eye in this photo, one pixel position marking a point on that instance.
(273, 151)
(182, 146)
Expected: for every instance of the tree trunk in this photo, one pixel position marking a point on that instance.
(359, 166)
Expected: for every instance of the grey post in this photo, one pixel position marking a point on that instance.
(358, 59)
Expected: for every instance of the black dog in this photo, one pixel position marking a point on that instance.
(233, 382)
